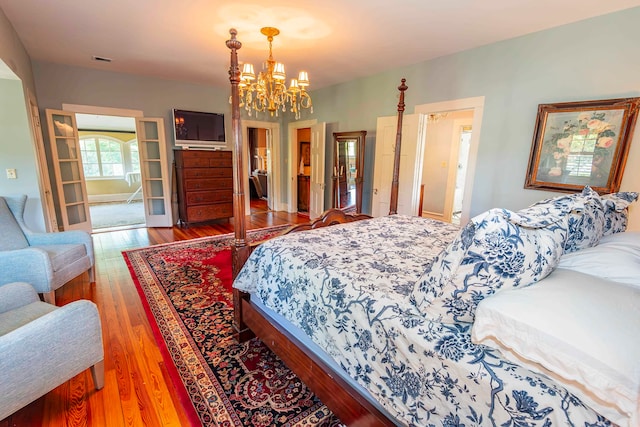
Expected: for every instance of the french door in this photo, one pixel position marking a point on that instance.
(69, 173)
(156, 193)
(67, 165)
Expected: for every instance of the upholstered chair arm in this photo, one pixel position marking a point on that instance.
(61, 238)
(16, 294)
(70, 338)
(31, 265)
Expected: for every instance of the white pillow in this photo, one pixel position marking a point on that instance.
(580, 330)
(616, 257)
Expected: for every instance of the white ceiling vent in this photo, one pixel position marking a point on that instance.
(101, 59)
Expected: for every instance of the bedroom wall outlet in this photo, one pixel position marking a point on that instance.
(11, 174)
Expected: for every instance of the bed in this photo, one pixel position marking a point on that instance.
(418, 330)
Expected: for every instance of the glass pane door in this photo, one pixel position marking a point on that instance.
(154, 172)
(65, 151)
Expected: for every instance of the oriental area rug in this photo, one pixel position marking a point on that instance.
(186, 290)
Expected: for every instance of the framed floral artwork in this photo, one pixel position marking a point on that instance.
(581, 143)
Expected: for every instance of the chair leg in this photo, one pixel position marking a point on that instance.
(97, 372)
(49, 297)
(92, 274)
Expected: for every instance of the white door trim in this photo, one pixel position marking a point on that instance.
(102, 111)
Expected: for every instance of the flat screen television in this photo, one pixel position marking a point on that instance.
(198, 129)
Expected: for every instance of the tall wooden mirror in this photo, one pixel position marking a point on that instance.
(348, 169)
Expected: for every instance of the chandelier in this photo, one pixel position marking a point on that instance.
(269, 92)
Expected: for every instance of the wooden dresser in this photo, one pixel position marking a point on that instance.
(205, 185)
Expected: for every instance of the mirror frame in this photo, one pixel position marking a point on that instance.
(359, 137)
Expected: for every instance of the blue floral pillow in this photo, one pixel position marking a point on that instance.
(616, 211)
(586, 221)
(497, 250)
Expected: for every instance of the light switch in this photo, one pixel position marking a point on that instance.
(11, 174)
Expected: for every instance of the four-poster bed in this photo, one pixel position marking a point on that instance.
(249, 321)
(375, 315)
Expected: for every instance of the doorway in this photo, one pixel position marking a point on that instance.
(69, 172)
(456, 125)
(111, 165)
(303, 160)
(267, 165)
(258, 169)
(302, 170)
(445, 161)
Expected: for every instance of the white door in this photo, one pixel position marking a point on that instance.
(412, 147)
(317, 184)
(67, 164)
(154, 172)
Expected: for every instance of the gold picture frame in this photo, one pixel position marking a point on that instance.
(581, 143)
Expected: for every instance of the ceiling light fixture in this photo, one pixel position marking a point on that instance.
(269, 91)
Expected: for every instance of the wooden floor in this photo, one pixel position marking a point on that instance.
(137, 391)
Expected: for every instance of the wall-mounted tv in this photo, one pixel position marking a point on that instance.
(198, 129)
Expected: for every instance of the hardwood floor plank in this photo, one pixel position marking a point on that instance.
(138, 390)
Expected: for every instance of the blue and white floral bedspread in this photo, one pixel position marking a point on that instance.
(347, 287)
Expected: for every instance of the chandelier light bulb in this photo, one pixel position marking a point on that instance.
(278, 72)
(247, 72)
(303, 79)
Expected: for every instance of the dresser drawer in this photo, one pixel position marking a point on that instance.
(204, 159)
(207, 173)
(208, 184)
(206, 197)
(207, 212)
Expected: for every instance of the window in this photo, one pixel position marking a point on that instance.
(135, 156)
(102, 157)
(580, 157)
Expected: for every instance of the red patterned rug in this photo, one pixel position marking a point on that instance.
(186, 289)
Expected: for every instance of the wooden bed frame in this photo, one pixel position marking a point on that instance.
(249, 321)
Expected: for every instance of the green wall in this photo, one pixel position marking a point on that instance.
(594, 59)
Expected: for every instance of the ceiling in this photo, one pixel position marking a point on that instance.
(334, 40)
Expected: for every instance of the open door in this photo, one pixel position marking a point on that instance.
(411, 153)
(69, 175)
(154, 176)
(317, 184)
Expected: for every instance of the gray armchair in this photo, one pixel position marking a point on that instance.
(45, 260)
(43, 346)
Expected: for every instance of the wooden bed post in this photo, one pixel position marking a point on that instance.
(393, 206)
(240, 250)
